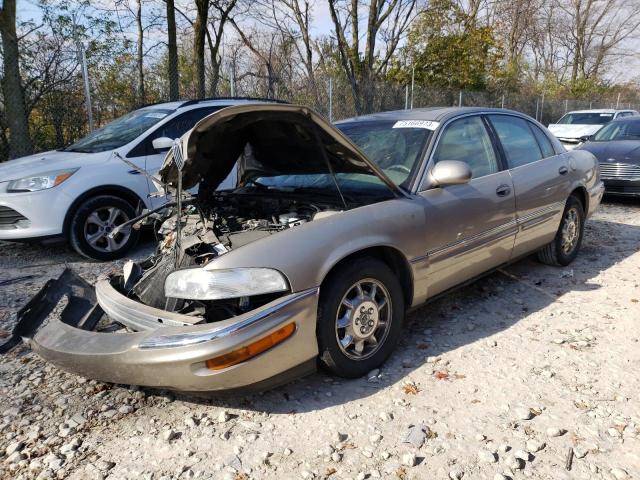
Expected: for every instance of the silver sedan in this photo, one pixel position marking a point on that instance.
(330, 235)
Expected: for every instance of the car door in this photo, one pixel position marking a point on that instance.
(471, 227)
(541, 179)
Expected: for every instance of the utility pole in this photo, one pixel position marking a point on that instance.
(413, 81)
(331, 99)
(82, 59)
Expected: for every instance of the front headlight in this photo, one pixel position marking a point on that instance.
(40, 182)
(200, 284)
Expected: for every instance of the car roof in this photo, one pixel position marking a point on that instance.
(436, 114)
(217, 101)
(602, 110)
(634, 118)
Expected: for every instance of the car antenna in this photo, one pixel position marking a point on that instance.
(326, 159)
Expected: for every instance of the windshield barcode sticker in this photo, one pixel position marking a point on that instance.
(428, 124)
(155, 115)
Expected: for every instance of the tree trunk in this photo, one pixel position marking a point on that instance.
(140, 54)
(15, 110)
(174, 84)
(200, 27)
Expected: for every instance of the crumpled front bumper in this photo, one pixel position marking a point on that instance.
(175, 357)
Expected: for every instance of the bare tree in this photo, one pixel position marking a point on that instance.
(199, 38)
(264, 55)
(218, 21)
(140, 53)
(387, 20)
(292, 19)
(597, 31)
(12, 89)
(172, 44)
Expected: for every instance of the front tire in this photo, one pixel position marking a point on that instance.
(360, 317)
(565, 246)
(92, 223)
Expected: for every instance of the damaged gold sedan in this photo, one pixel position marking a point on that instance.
(320, 249)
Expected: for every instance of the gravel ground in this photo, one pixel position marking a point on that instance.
(502, 379)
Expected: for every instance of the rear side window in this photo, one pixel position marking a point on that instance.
(543, 141)
(467, 140)
(518, 142)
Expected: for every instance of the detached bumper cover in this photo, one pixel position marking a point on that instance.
(174, 356)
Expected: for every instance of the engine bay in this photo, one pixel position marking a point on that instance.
(210, 227)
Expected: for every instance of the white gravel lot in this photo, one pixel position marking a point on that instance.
(501, 379)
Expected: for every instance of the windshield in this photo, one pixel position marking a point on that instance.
(120, 131)
(587, 118)
(619, 131)
(395, 150)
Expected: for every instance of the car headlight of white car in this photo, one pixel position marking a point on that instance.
(40, 182)
(201, 284)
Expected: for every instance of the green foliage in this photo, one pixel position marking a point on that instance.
(448, 49)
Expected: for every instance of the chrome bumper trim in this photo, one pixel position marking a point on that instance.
(194, 338)
(136, 315)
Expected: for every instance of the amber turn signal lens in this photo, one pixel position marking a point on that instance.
(253, 349)
(61, 178)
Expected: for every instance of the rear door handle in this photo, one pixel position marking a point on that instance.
(503, 190)
(563, 170)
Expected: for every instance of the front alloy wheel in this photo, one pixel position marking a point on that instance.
(363, 318)
(360, 316)
(93, 222)
(99, 225)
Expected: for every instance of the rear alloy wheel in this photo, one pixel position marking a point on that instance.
(565, 246)
(92, 226)
(359, 317)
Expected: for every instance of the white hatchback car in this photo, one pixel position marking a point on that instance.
(80, 193)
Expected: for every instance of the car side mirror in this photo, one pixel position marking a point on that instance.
(450, 172)
(585, 138)
(162, 143)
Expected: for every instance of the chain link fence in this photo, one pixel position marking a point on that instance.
(61, 117)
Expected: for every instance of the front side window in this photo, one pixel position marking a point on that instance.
(182, 123)
(174, 128)
(622, 130)
(518, 142)
(119, 132)
(467, 140)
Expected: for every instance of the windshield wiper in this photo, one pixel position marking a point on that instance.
(76, 150)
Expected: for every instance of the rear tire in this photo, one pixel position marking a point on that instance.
(354, 340)
(93, 221)
(565, 246)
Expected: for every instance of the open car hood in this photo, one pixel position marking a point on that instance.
(265, 139)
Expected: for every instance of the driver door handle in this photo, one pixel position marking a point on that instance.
(503, 190)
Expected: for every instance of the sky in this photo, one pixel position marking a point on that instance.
(322, 25)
